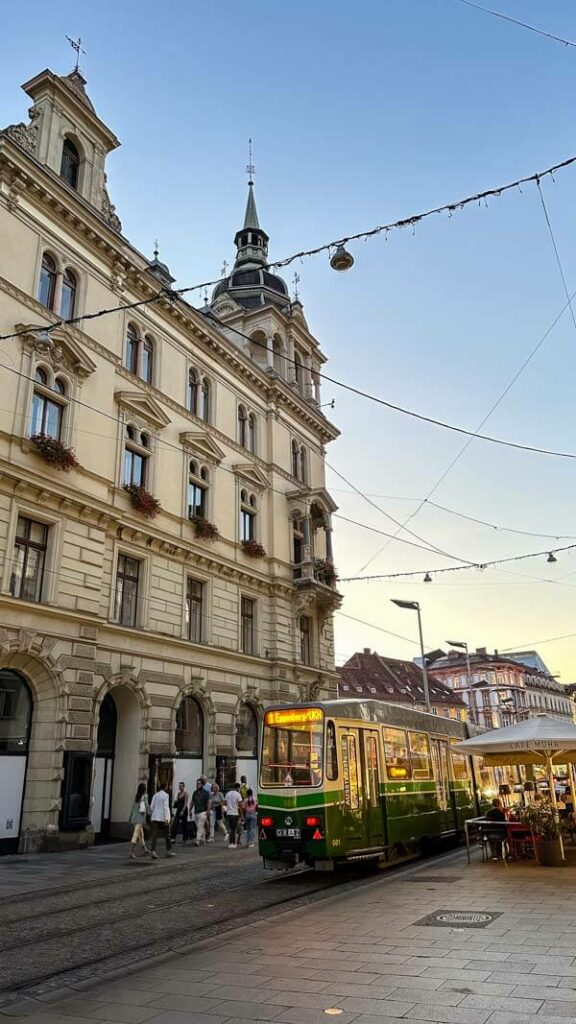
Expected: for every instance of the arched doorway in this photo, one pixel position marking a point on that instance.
(247, 745)
(15, 726)
(116, 765)
(189, 742)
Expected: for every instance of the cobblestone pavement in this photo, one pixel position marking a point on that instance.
(485, 944)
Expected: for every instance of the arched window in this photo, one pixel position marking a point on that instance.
(15, 712)
(47, 286)
(205, 400)
(189, 738)
(131, 349)
(251, 439)
(303, 465)
(298, 544)
(198, 480)
(107, 723)
(305, 640)
(136, 454)
(242, 423)
(147, 359)
(70, 164)
(193, 392)
(47, 413)
(247, 730)
(295, 460)
(69, 288)
(298, 371)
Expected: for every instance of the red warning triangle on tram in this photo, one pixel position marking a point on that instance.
(317, 834)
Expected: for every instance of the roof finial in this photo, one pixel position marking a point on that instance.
(76, 45)
(156, 250)
(224, 270)
(296, 282)
(250, 169)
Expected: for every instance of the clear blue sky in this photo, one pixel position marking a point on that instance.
(363, 113)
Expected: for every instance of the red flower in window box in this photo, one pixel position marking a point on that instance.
(253, 549)
(143, 501)
(204, 529)
(54, 452)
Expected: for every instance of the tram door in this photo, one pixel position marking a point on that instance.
(371, 789)
(444, 792)
(352, 816)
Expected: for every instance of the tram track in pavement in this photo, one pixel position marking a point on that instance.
(37, 959)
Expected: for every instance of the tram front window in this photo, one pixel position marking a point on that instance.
(292, 747)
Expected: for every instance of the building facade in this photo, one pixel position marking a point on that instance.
(368, 674)
(166, 563)
(500, 690)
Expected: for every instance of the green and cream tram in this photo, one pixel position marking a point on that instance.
(349, 780)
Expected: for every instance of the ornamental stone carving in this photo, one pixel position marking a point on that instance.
(26, 135)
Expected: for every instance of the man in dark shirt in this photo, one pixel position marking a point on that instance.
(200, 806)
(495, 840)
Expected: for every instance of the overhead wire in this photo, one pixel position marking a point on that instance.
(521, 24)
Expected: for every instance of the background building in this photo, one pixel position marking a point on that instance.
(501, 690)
(368, 674)
(165, 533)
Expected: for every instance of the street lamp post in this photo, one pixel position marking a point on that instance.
(463, 646)
(414, 606)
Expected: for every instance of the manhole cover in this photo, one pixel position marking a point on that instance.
(460, 918)
(437, 878)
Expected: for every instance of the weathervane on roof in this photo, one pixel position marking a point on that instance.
(76, 45)
(296, 282)
(224, 270)
(250, 169)
(156, 249)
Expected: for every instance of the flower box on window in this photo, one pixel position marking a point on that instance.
(54, 452)
(143, 501)
(325, 572)
(204, 529)
(253, 549)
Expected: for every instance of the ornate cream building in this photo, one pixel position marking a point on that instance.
(138, 640)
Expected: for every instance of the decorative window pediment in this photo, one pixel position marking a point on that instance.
(143, 407)
(251, 474)
(200, 443)
(62, 351)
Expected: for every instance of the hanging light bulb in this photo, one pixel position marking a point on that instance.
(427, 578)
(551, 557)
(341, 259)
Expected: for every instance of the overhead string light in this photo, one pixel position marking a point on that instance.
(480, 566)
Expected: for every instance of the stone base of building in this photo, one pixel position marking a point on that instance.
(36, 840)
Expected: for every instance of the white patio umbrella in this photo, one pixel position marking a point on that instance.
(539, 740)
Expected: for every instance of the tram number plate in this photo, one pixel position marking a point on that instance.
(288, 833)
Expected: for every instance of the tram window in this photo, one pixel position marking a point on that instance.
(372, 771)
(331, 753)
(292, 749)
(396, 754)
(420, 755)
(459, 766)
(350, 770)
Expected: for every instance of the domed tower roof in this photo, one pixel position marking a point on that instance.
(250, 284)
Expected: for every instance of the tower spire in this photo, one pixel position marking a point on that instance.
(251, 241)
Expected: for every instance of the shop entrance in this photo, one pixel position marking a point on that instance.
(15, 725)
(116, 764)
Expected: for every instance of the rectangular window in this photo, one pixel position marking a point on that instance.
(292, 747)
(134, 468)
(195, 610)
(127, 587)
(372, 771)
(396, 754)
(247, 520)
(459, 766)
(420, 755)
(247, 624)
(331, 753)
(305, 644)
(196, 500)
(29, 563)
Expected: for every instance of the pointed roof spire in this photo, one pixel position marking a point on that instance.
(251, 215)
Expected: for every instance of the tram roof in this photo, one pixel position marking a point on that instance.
(383, 712)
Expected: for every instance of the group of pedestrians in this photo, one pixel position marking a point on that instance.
(201, 815)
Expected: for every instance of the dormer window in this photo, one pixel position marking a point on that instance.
(70, 164)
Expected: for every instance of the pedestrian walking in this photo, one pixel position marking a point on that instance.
(250, 807)
(160, 821)
(140, 809)
(180, 808)
(233, 805)
(200, 806)
(216, 806)
(243, 786)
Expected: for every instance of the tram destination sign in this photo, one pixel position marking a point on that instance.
(460, 918)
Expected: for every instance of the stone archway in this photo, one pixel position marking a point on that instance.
(117, 766)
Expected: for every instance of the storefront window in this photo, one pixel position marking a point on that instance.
(189, 737)
(15, 712)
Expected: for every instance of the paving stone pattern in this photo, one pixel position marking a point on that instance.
(364, 953)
